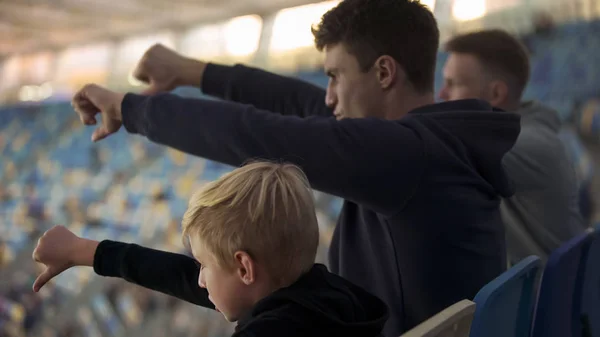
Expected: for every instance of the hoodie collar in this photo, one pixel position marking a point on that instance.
(458, 105)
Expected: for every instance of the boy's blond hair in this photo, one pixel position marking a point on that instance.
(265, 209)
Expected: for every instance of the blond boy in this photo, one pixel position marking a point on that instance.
(254, 236)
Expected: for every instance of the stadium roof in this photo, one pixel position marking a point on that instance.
(28, 25)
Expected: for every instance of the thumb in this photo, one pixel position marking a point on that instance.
(100, 134)
(153, 89)
(43, 278)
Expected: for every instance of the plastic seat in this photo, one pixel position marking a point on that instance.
(505, 305)
(558, 311)
(454, 321)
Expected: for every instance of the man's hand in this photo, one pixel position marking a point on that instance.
(164, 70)
(58, 250)
(93, 99)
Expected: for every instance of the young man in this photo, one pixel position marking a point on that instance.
(544, 212)
(254, 233)
(420, 226)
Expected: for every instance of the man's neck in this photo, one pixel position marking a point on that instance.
(400, 105)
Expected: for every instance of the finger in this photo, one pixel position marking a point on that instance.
(86, 111)
(85, 116)
(100, 134)
(84, 107)
(43, 278)
(36, 255)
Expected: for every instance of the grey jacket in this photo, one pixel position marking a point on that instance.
(544, 212)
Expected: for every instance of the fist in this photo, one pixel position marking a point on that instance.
(92, 100)
(57, 250)
(164, 70)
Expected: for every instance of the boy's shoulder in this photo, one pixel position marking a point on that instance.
(273, 325)
(318, 304)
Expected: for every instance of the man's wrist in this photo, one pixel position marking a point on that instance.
(84, 252)
(191, 73)
(119, 106)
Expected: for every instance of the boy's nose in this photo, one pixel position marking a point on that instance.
(201, 282)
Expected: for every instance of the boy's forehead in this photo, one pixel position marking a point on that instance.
(197, 248)
(192, 245)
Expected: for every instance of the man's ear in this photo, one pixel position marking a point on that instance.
(246, 267)
(499, 95)
(387, 71)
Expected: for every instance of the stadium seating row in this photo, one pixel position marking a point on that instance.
(560, 300)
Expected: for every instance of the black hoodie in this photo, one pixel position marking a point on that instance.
(420, 227)
(319, 303)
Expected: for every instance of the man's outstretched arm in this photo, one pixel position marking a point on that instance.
(164, 70)
(265, 90)
(172, 274)
(350, 159)
(372, 162)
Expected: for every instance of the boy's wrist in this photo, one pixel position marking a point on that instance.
(83, 254)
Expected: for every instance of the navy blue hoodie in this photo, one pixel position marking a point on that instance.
(318, 304)
(420, 226)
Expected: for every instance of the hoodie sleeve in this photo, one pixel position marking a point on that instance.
(372, 162)
(265, 90)
(168, 273)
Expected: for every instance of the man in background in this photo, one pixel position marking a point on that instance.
(544, 212)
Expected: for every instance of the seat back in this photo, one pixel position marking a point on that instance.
(454, 321)
(505, 305)
(590, 305)
(558, 311)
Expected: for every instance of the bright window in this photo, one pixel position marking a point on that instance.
(236, 37)
(11, 72)
(291, 28)
(465, 10)
(37, 68)
(77, 66)
(205, 42)
(131, 51)
(429, 3)
(242, 35)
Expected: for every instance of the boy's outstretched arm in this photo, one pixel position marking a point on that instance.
(172, 274)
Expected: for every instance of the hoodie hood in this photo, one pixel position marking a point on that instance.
(486, 133)
(322, 304)
(535, 112)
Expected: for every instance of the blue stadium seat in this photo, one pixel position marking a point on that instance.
(590, 307)
(558, 311)
(505, 305)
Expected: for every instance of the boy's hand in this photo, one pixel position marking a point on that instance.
(59, 249)
(93, 99)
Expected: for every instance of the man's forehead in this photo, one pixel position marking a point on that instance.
(337, 58)
(460, 64)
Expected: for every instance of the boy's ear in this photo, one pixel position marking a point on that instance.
(246, 267)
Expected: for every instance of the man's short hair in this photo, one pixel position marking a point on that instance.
(265, 209)
(499, 52)
(403, 29)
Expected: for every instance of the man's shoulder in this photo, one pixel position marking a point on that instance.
(538, 141)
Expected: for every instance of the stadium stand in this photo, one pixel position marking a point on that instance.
(129, 189)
